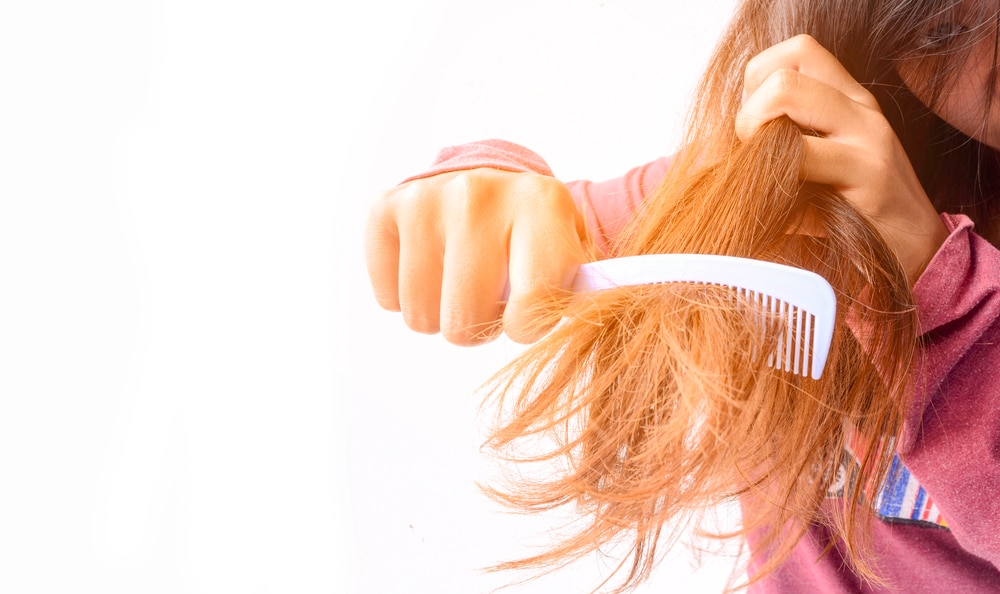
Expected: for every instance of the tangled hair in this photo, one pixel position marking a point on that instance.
(656, 402)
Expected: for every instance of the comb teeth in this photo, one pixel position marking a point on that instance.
(803, 300)
(794, 351)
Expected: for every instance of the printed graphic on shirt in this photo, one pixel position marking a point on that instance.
(847, 473)
(900, 498)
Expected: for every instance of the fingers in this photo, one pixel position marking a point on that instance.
(471, 293)
(437, 251)
(800, 79)
(804, 55)
(856, 147)
(403, 254)
(382, 255)
(854, 150)
(474, 274)
(810, 103)
(547, 246)
(420, 271)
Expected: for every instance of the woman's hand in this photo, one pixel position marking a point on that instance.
(440, 250)
(856, 152)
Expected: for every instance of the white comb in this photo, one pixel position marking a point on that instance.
(804, 299)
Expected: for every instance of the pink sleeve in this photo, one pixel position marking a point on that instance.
(495, 154)
(606, 206)
(951, 439)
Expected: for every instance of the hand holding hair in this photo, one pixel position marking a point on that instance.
(854, 150)
(649, 404)
(440, 249)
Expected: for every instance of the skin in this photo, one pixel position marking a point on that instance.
(432, 245)
(440, 251)
(965, 102)
(856, 152)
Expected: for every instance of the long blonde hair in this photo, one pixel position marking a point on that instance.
(657, 402)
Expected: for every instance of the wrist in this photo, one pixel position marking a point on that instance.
(921, 245)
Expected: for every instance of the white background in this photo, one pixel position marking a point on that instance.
(197, 392)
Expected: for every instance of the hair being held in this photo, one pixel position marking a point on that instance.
(660, 397)
(657, 401)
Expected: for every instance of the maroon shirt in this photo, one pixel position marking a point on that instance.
(939, 513)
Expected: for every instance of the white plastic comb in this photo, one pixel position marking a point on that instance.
(803, 298)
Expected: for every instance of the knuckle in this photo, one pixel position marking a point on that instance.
(751, 67)
(867, 98)
(471, 193)
(470, 183)
(743, 127)
(479, 192)
(488, 201)
(804, 42)
(403, 204)
(783, 80)
(403, 194)
(464, 182)
(752, 72)
(774, 92)
(546, 194)
(380, 209)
